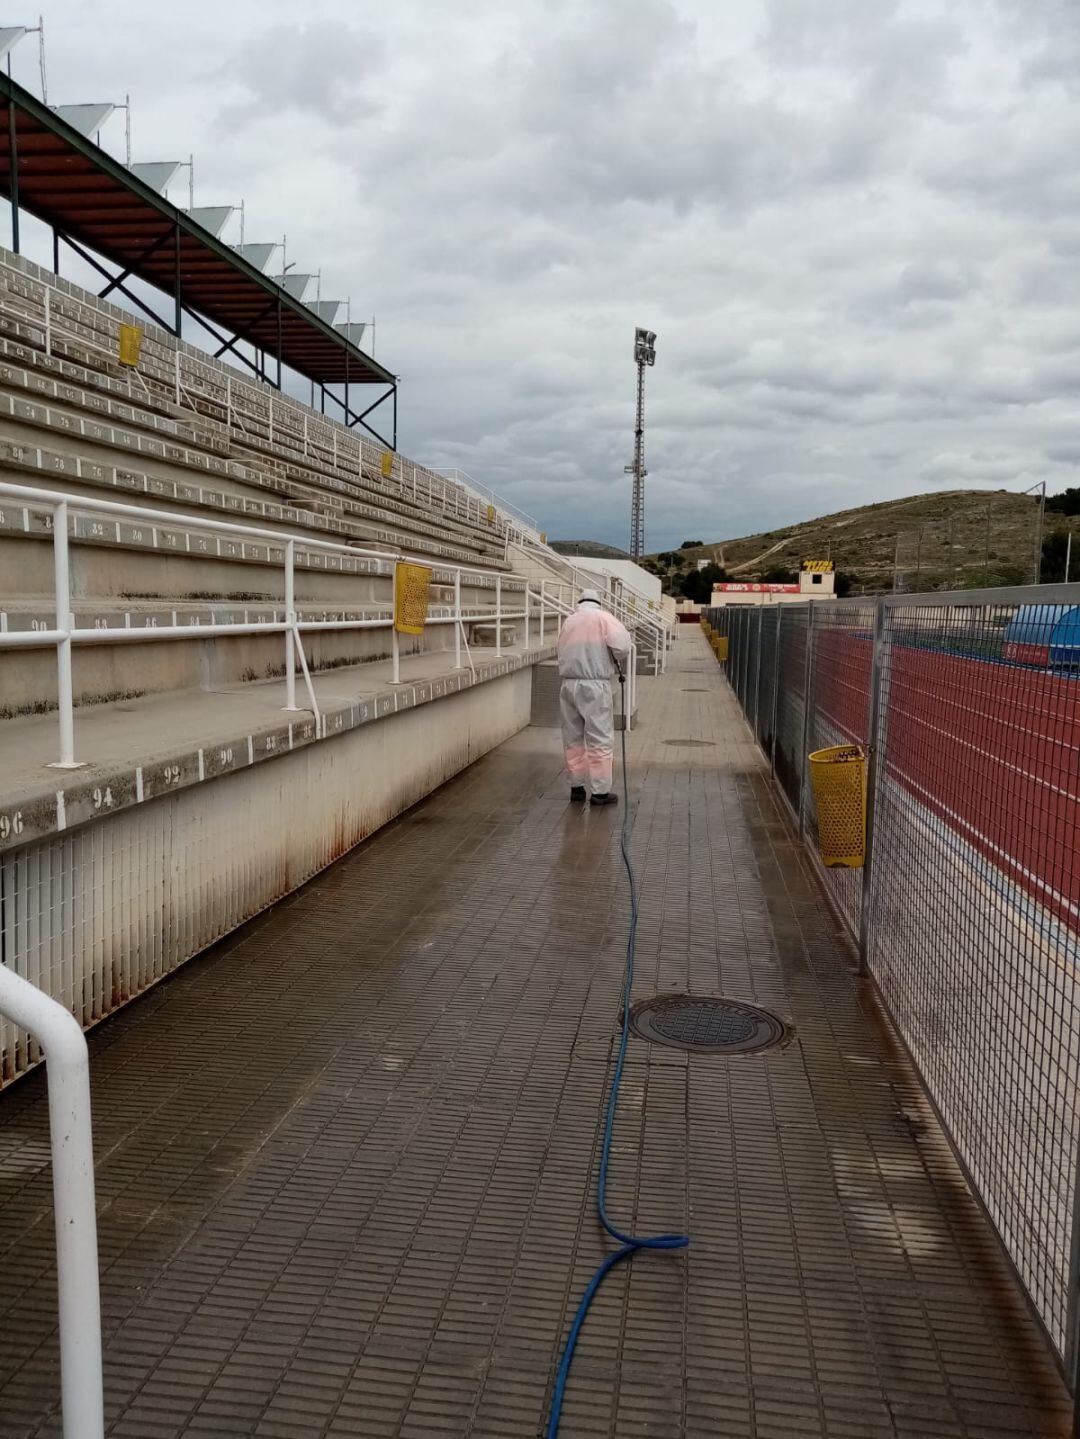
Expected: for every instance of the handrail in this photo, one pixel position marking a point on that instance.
(70, 1137)
(65, 633)
(631, 668)
(584, 579)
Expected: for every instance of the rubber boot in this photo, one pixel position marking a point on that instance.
(577, 791)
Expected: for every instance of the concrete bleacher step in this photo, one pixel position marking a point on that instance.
(347, 517)
(276, 445)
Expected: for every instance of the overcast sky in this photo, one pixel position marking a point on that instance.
(853, 224)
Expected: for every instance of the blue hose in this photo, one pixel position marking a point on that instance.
(629, 1243)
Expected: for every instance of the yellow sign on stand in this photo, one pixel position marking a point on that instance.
(130, 344)
(412, 584)
(387, 464)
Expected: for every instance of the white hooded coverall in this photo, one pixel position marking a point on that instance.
(589, 638)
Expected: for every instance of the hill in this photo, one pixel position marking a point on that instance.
(589, 549)
(956, 539)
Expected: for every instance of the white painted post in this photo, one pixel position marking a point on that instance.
(290, 620)
(457, 614)
(305, 434)
(543, 609)
(498, 616)
(176, 372)
(70, 1137)
(395, 642)
(271, 419)
(228, 402)
(62, 586)
(48, 320)
(527, 598)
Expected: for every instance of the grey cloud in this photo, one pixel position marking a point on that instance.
(853, 225)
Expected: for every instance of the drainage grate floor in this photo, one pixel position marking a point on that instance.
(707, 1025)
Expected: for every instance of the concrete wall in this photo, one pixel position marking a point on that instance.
(97, 915)
(632, 576)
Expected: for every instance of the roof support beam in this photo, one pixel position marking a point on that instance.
(13, 163)
(133, 265)
(119, 285)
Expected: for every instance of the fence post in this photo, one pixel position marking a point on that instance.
(457, 617)
(498, 616)
(872, 728)
(527, 597)
(755, 722)
(290, 622)
(775, 689)
(808, 700)
(1072, 1308)
(62, 584)
(395, 642)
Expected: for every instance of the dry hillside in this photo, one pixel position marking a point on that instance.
(955, 539)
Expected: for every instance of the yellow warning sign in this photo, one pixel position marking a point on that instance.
(491, 514)
(817, 567)
(411, 586)
(387, 463)
(130, 344)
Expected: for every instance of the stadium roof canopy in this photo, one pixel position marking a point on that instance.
(53, 171)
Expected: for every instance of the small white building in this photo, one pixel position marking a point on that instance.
(816, 582)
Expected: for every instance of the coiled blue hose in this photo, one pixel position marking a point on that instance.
(629, 1243)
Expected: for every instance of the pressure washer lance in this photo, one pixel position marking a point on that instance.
(628, 1243)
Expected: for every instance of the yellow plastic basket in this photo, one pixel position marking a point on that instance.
(838, 780)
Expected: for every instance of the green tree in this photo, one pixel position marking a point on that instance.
(1054, 549)
(697, 585)
(844, 584)
(692, 545)
(780, 575)
(1067, 503)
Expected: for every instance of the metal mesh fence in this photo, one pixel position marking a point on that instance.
(790, 744)
(971, 926)
(843, 643)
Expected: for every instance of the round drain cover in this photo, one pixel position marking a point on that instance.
(691, 743)
(709, 1026)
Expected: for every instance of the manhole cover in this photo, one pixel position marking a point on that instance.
(692, 743)
(713, 1026)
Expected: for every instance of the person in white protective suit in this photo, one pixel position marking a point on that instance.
(587, 642)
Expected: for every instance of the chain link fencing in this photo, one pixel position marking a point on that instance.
(966, 913)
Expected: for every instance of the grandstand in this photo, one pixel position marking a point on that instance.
(342, 1160)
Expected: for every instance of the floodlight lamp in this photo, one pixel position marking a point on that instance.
(644, 347)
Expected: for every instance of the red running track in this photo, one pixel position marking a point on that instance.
(992, 749)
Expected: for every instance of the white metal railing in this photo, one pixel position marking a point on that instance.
(65, 634)
(70, 1138)
(654, 627)
(563, 609)
(518, 516)
(253, 411)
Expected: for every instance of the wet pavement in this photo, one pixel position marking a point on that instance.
(346, 1160)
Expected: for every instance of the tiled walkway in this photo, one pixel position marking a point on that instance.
(346, 1160)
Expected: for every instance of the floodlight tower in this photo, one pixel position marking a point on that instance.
(644, 354)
